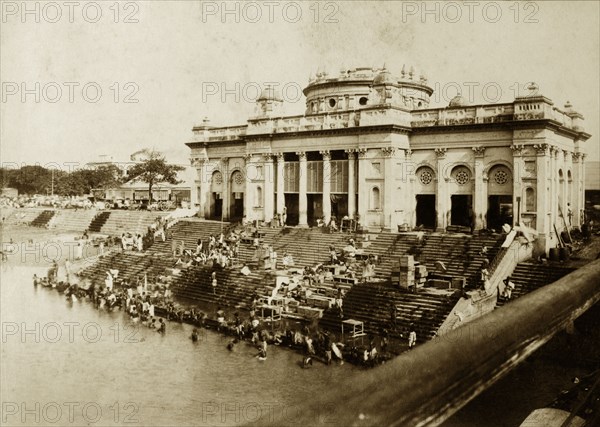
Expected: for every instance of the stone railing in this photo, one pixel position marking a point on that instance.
(490, 114)
(384, 115)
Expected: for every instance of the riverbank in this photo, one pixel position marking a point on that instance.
(41, 248)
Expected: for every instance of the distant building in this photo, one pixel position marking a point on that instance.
(137, 191)
(370, 147)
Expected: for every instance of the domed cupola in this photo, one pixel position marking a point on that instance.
(458, 101)
(269, 103)
(269, 94)
(384, 77)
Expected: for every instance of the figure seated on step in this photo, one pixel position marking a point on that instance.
(184, 261)
(332, 225)
(508, 286)
(287, 261)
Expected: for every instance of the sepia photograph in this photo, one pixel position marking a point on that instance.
(300, 213)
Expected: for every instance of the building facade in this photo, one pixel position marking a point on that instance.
(369, 147)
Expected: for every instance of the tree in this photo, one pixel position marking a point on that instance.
(33, 179)
(154, 170)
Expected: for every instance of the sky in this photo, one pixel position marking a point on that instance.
(86, 79)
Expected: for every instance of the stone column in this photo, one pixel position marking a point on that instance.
(543, 196)
(441, 204)
(565, 186)
(225, 193)
(269, 190)
(195, 185)
(351, 183)
(388, 197)
(280, 182)
(249, 197)
(575, 190)
(555, 219)
(407, 182)
(480, 188)
(363, 191)
(302, 199)
(518, 170)
(204, 183)
(326, 185)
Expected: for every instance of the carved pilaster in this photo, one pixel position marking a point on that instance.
(517, 149)
(248, 157)
(542, 149)
(351, 153)
(267, 157)
(479, 151)
(408, 153)
(388, 151)
(301, 155)
(361, 152)
(197, 162)
(326, 154)
(440, 152)
(279, 157)
(576, 157)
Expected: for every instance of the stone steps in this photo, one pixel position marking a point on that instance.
(43, 218)
(373, 303)
(72, 220)
(528, 277)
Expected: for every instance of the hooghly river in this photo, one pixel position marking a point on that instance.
(67, 363)
(70, 364)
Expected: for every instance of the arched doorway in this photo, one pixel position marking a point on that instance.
(461, 197)
(500, 197)
(425, 198)
(216, 191)
(236, 208)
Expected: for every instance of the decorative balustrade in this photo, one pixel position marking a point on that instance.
(467, 115)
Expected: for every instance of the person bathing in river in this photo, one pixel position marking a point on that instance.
(232, 343)
(162, 326)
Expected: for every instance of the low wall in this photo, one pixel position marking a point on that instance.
(480, 302)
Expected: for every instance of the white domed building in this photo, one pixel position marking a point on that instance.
(369, 147)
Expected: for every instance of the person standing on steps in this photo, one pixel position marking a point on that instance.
(412, 337)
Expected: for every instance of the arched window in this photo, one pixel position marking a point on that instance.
(425, 175)
(530, 201)
(375, 199)
(237, 182)
(461, 175)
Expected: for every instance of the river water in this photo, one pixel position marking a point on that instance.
(70, 364)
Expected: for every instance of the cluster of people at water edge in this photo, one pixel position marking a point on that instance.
(143, 303)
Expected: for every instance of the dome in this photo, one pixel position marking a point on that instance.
(385, 77)
(458, 101)
(269, 94)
